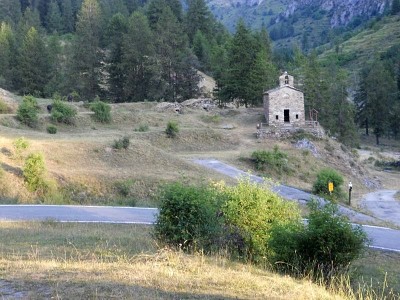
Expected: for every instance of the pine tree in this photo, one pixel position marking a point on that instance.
(117, 28)
(138, 63)
(236, 85)
(380, 92)
(33, 67)
(174, 57)
(53, 18)
(67, 16)
(87, 55)
(198, 18)
(7, 45)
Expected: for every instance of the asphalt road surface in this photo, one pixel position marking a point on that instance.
(75, 213)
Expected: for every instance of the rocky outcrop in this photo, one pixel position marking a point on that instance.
(341, 12)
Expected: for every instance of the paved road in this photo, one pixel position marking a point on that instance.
(72, 213)
(383, 205)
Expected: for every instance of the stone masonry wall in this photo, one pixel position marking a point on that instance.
(278, 100)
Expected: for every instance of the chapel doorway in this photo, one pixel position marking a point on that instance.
(286, 116)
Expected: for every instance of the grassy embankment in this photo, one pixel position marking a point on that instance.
(94, 261)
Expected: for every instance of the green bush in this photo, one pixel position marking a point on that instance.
(142, 128)
(62, 112)
(188, 216)
(251, 210)
(51, 129)
(20, 145)
(275, 160)
(102, 111)
(323, 248)
(325, 176)
(122, 143)
(34, 172)
(172, 129)
(28, 110)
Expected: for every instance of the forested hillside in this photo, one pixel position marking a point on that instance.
(128, 51)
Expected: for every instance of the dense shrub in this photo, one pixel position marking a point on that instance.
(28, 110)
(122, 143)
(102, 111)
(51, 129)
(323, 247)
(325, 176)
(188, 216)
(34, 172)
(253, 210)
(275, 160)
(172, 129)
(62, 112)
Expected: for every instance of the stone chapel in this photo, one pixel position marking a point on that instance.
(284, 105)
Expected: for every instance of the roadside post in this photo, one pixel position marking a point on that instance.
(350, 189)
(330, 187)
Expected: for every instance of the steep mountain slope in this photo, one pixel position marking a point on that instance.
(309, 22)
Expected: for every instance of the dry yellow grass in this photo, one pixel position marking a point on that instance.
(94, 261)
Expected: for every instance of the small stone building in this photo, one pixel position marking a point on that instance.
(284, 105)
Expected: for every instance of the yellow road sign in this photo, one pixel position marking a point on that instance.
(330, 187)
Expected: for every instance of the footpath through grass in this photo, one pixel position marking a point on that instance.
(102, 261)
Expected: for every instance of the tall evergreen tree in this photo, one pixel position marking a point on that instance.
(87, 55)
(173, 55)
(236, 85)
(380, 92)
(67, 16)
(198, 18)
(116, 30)
(139, 64)
(54, 22)
(33, 66)
(7, 47)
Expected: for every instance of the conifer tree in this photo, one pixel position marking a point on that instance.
(67, 16)
(141, 73)
(87, 54)
(116, 30)
(53, 19)
(7, 47)
(235, 85)
(33, 67)
(198, 18)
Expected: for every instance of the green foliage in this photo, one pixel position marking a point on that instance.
(28, 110)
(172, 129)
(275, 160)
(188, 216)
(51, 129)
(142, 128)
(102, 111)
(325, 176)
(323, 247)
(20, 145)
(34, 172)
(252, 211)
(62, 112)
(122, 143)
